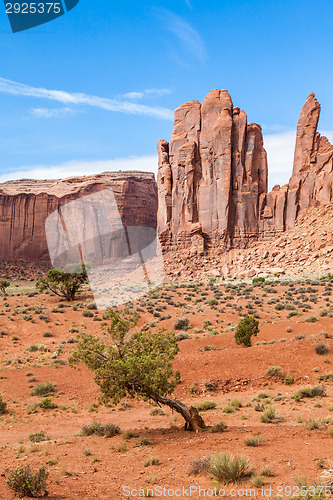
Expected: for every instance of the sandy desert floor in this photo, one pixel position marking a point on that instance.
(38, 332)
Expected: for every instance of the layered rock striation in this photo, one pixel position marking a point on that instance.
(26, 204)
(212, 177)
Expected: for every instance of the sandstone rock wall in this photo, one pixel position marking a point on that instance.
(212, 178)
(25, 205)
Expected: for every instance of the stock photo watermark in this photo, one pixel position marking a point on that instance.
(25, 15)
(123, 262)
(199, 492)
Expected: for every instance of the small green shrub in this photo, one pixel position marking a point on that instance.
(47, 404)
(98, 429)
(313, 424)
(182, 336)
(325, 377)
(274, 371)
(38, 437)
(268, 472)
(269, 416)
(311, 319)
(220, 427)
(47, 334)
(310, 392)
(51, 461)
(151, 461)
(87, 314)
(247, 328)
(236, 403)
(259, 407)
(36, 347)
(228, 469)
(145, 441)
(156, 411)
(209, 348)
(110, 430)
(321, 349)
(194, 388)
(3, 406)
(210, 386)
(205, 405)
(254, 440)
(257, 480)
(288, 379)
(27, 482)
(130, 434)
(200, 465)
(299, 337)
(182, 324)
(43, 389)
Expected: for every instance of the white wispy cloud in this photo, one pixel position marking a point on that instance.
(77, 167)
(133, 95)
(188, 3)
(189, 38)
(143, 93)
(52, 112)
(280, 151)
(81, 99)
(272, 128)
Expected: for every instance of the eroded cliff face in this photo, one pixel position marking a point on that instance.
(212, 178)
(26, 204)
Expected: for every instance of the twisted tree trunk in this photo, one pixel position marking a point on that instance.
(193, 421)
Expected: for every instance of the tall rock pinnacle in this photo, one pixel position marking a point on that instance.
(211, 175)
(306, 134)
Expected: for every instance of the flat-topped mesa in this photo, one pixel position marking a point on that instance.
(25, 205)
(212, 180)
(211, 176)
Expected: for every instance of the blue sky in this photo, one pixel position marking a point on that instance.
(95, 89)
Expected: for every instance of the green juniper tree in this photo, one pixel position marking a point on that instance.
(65, 284)
(247, 327)
(138, 365)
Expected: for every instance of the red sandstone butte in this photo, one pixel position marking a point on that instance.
(25, 205)
(212, 185)
(212, 177)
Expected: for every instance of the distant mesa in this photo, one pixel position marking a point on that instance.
(26, 204)
(212, 177)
